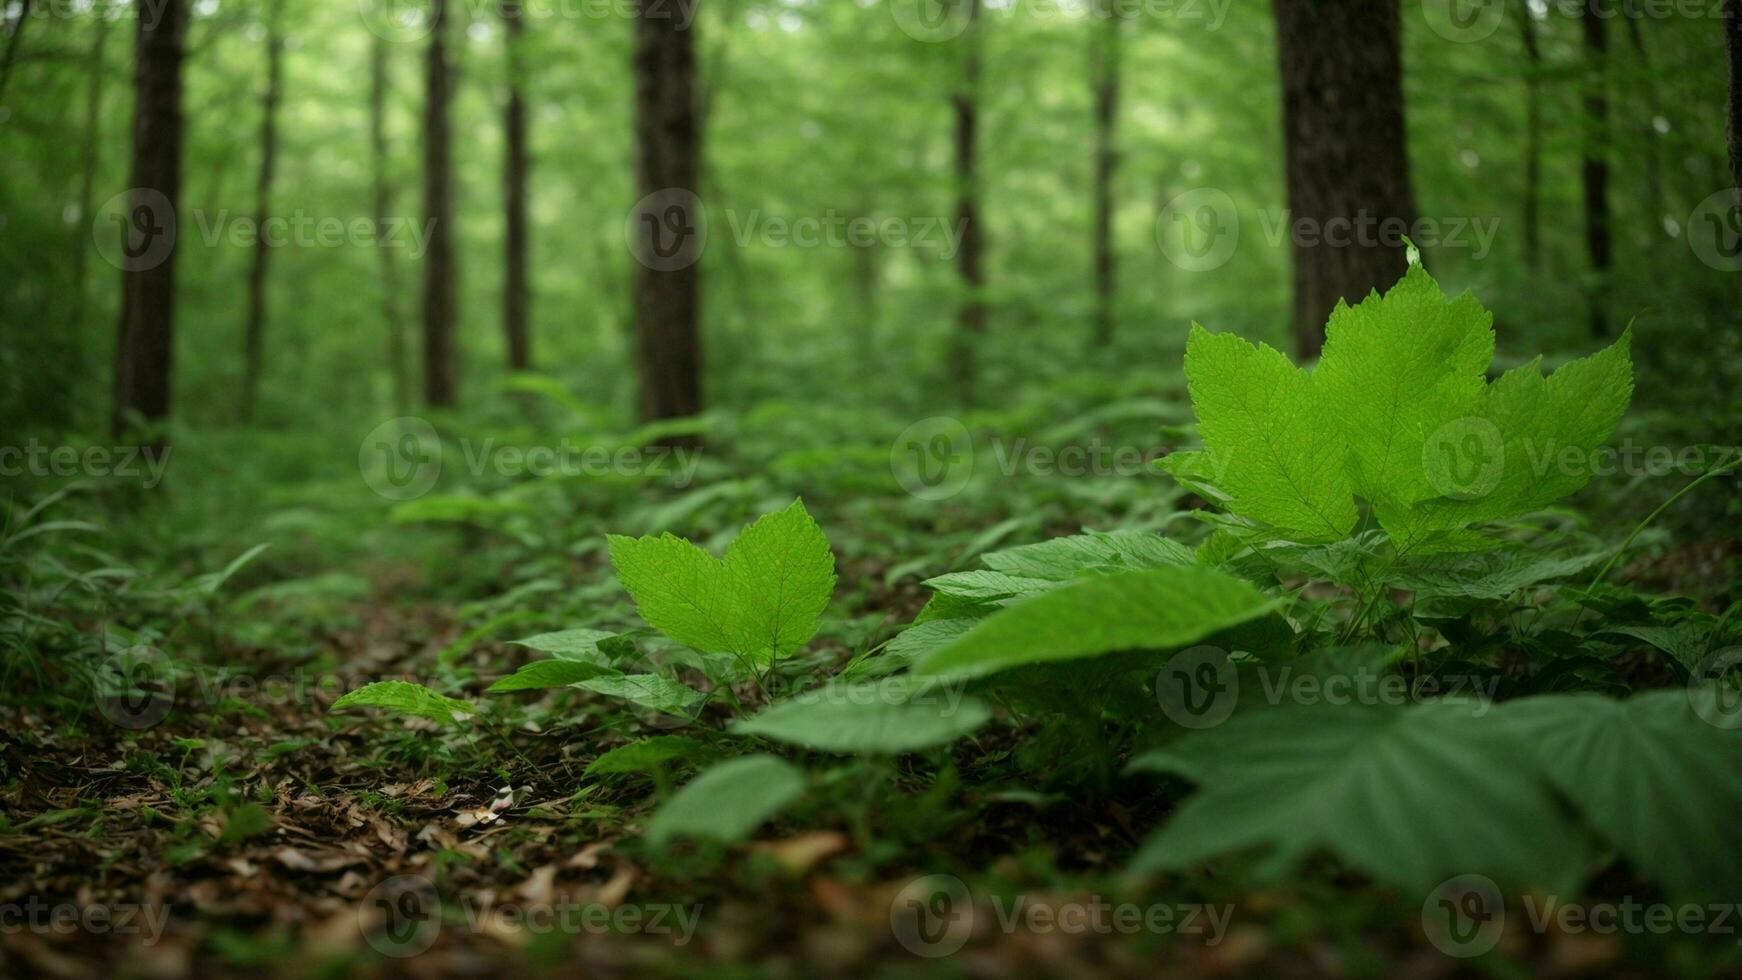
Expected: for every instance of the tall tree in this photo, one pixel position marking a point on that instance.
(145, 342)
(516, 296)
(971, 318)
(14, 35)
(382, 193)
(1532, 139)
(1106, 81)
(1598, 244)
(1346, 164)
(668, 350)
(1733, 45)
(254, 330)
(95, 76)
(440, 373)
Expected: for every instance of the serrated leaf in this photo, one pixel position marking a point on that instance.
(729, 801)
(760, 602)
(1062, 559)
(542, 674)
(893, 715)
(407, 699)
(575, 644)
(1153, 609)
(1409, 795)
(647, 691)
(981, 585)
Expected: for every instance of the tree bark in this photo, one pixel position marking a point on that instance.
(971, 318)
(1347, 166)
(1532, 141)
(144, 351)
(95, 76)
(12, 41)
(254, 331)
(1107, 64)
(668, 162)
(440, 374)
(1598, 244)
(1733, 45)
(516, 295)
(383, 197)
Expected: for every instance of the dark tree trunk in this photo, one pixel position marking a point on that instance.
(13, 38)
(1598, 244)
(1532, 141)
(1647, 130)
(1733, 44)
(383, 197)
(516, 296)
(1343, 141)
(254, 332)
(440, 375)
(95, 75)
(144, 351)
(668, 165)
(972, 317)
(1107, 63)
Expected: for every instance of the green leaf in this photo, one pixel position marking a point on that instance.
(1409, 795)
(729, 801)
(1267, 444)
(407, 699)
(1062, 559)
(760, 602)
(647, 691)
(983, 585)
(575, 644)
(1147, 610)
(893, 715)
(542, 674)
(649, 755)
(1650, 775)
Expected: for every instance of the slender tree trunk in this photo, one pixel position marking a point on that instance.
(1532, 141)
(145, 343)
(1648, 134)
(516, 296)
(12, 40)
(397, 347)
(668, 167)
(95, 75)
(254, 331)
(1346, 161)
(1733, 45)
(1598, 244)
(440, 376)
(971, 318)
(1107, 64)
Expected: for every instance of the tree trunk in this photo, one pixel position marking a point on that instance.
(972, 316)
(144, 351)
(253, 334)
(668, 351)
(95, 75)
(396, 340)
(1532, 141)
(1346, 161)
(1107, 63)
(1598, 244)
(439, 371)
(1733, 44)
(13, 38)
(516, 297)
